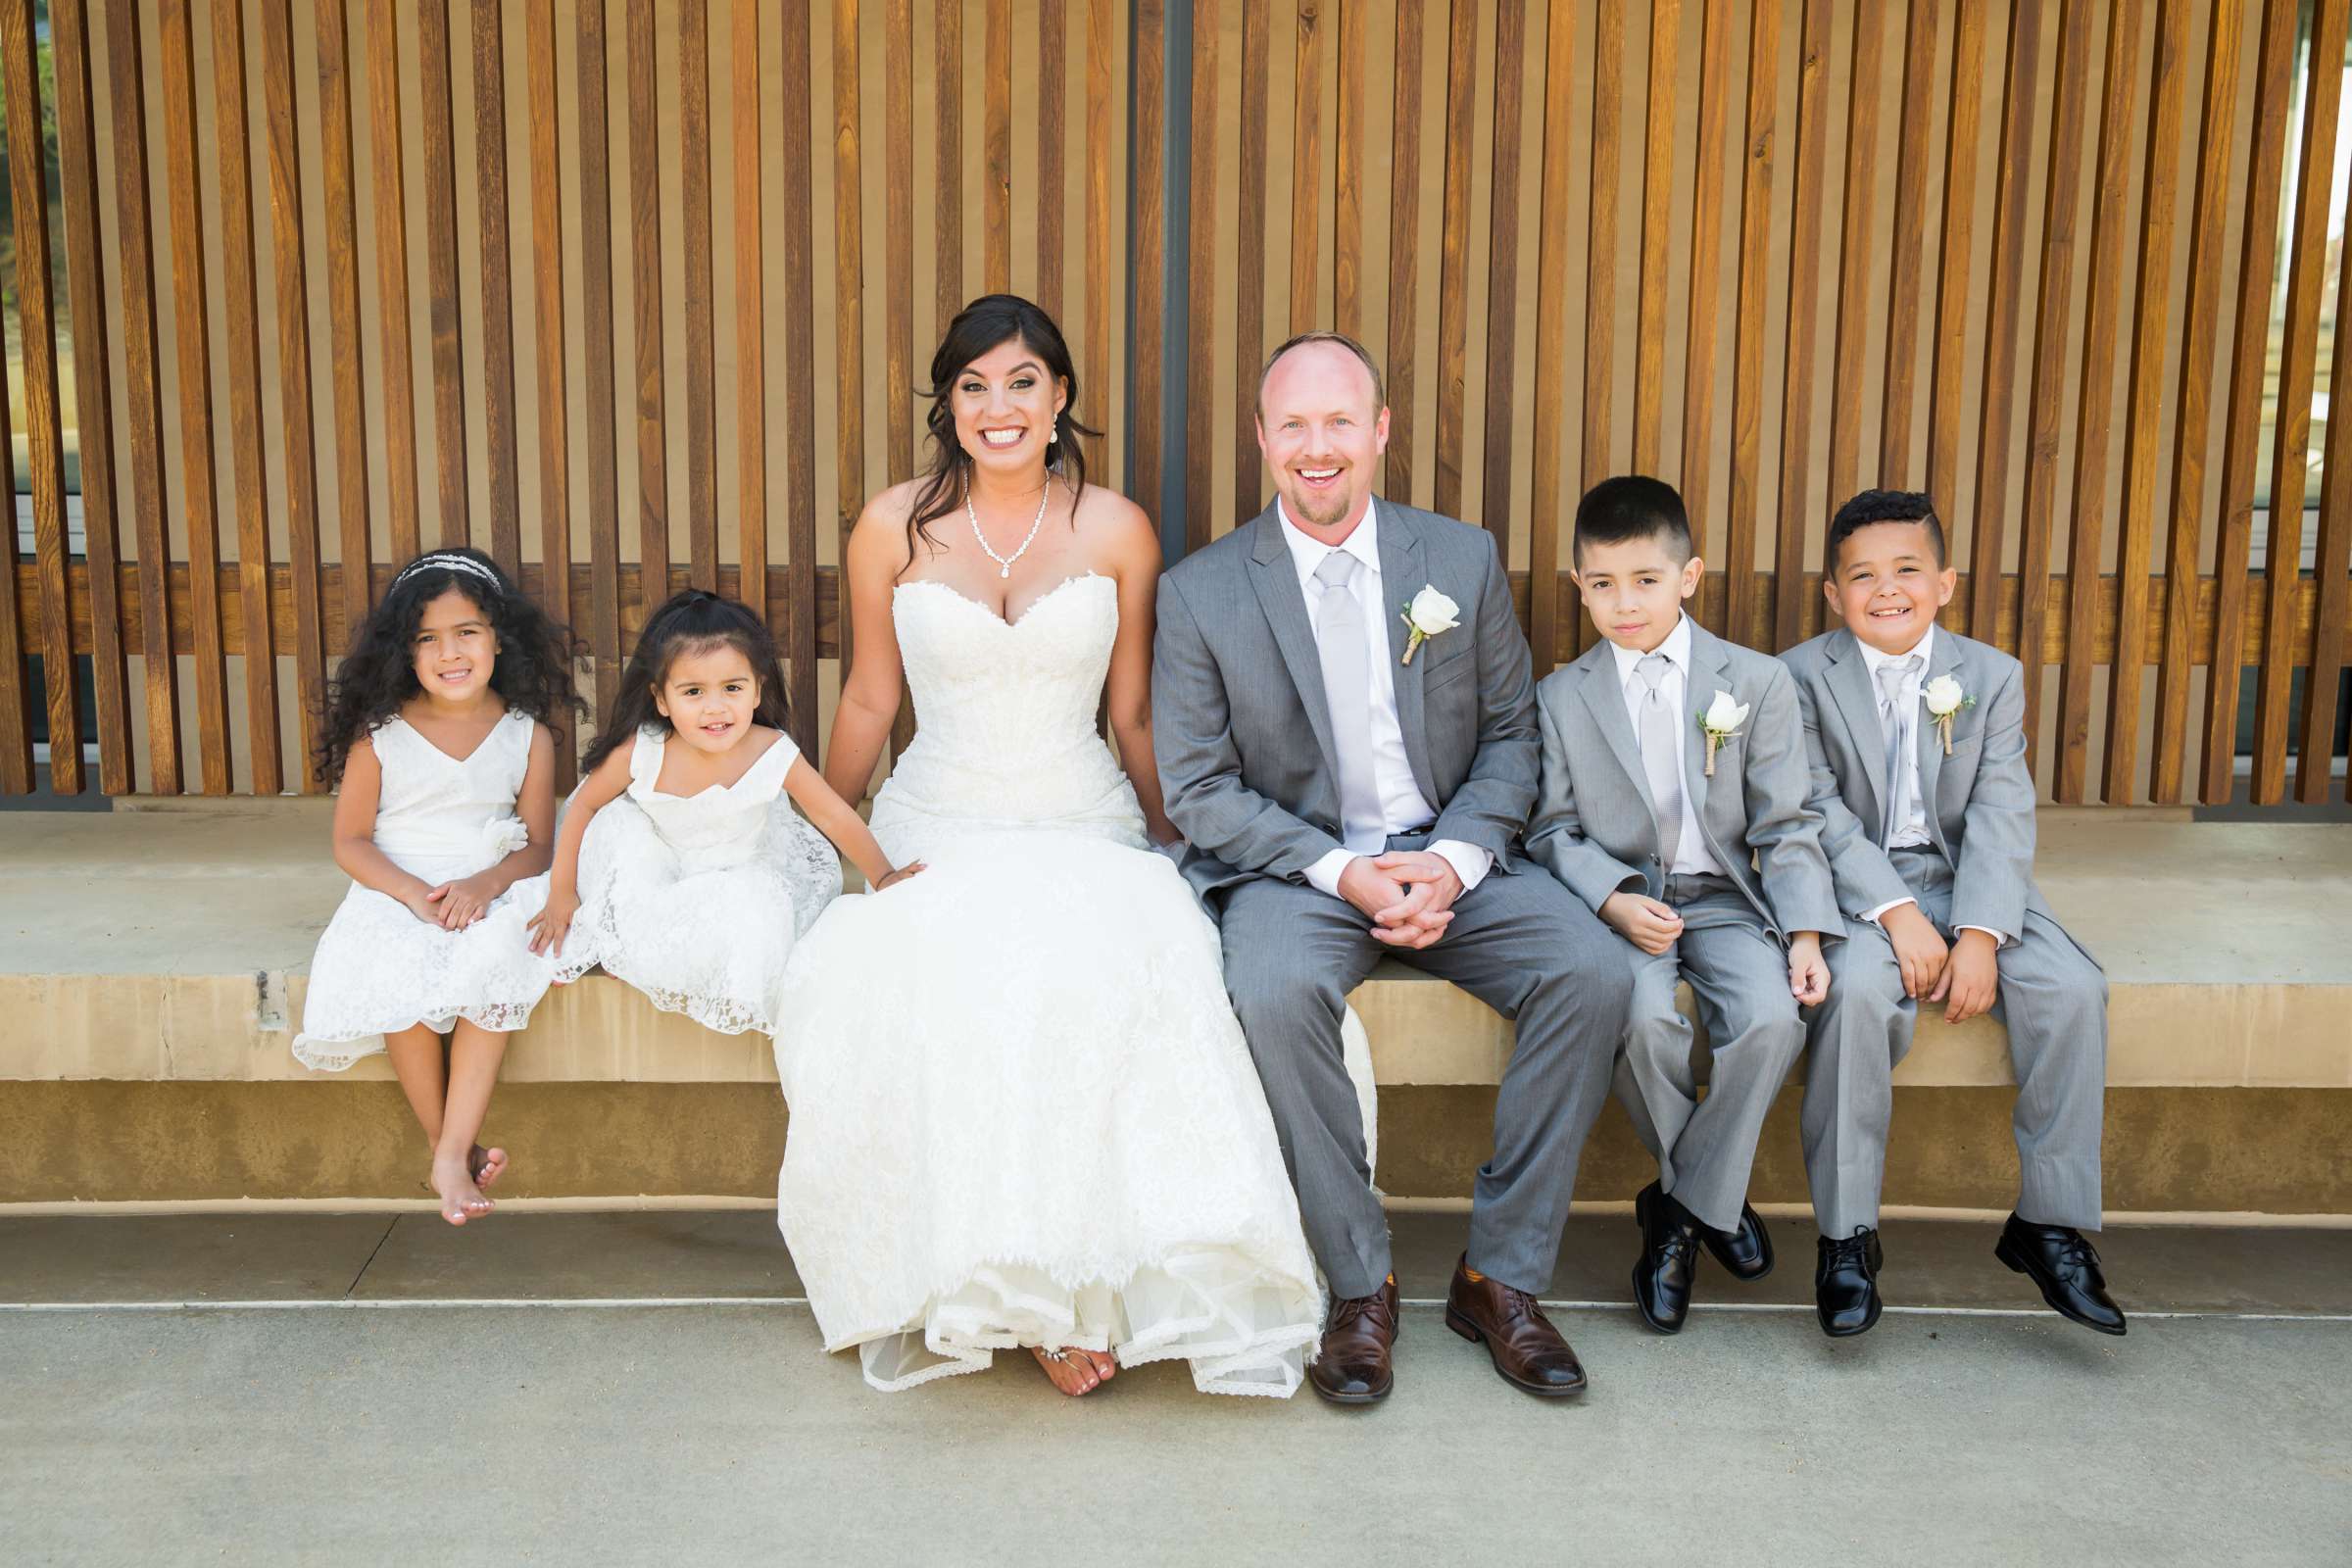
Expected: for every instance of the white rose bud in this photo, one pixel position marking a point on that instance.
(1724, 715)
(1432, 613)
(1943, 697)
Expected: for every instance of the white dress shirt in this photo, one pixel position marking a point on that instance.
(1691, 855)
(1403, 808)
(1913, 834)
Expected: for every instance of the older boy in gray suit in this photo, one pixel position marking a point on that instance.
(1673, 801)
(1918, 747)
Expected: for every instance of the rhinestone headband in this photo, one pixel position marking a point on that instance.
(447, 564)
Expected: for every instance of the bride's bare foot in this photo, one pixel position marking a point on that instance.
(486, 1165)
(461, 1198)
(1074, 1371)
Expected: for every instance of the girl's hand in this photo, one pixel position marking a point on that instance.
(897, 876)
(462, 902)
(425, 904)
(552, 924)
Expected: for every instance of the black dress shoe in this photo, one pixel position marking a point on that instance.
(1669, 1260)
(1845, 1283)
(1746, 1252)
(2065, 1266)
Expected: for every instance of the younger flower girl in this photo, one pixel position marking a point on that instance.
(682, 869)
(436, 731)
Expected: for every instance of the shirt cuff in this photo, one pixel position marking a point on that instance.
(1872, 915)
(1324, 875)
(1470, 861)
(1998, 939)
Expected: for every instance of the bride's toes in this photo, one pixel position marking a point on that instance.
(1106, 1365)
(1073, 1372)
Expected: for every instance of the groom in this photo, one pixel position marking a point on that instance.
(1350, 789)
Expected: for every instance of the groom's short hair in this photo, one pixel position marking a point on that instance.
(1629, 506)
(1380, 396)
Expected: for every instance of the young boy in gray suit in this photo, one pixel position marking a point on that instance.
(1673, 802)
(1918, 749)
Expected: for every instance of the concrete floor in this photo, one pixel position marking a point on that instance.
(719, 1433)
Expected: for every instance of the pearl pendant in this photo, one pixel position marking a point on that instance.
(1004, 572)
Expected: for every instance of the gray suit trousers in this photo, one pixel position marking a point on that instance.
(2053, 999)
(1521, 943)
(1739, 976)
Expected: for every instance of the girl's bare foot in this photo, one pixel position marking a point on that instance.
(486, 1165)
(460, 1199)
(1074, 1371)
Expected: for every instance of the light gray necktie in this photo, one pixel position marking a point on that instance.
(1661, 760)
(1895, 723)
(1347, 689)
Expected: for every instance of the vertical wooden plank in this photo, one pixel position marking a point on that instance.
(1405, 249)
(2241, 429)
(1502, 273)
(2194, 401)
(2061, 188)
(1706, 251)
(547, 273)
(597, 371)
(1997, 400)
(702, 365)
(194, 342)
(2330, 560)
(433, 53)
(1201, 349)
(346, 360)
(1908, 245)
(1454, 255)
(1348, 222)
(1146, 156)
(996, 148)
(946, 151)
(1947, 367)
(292, 271)
(645, 231)
(1052, 181)
(1747, 351)
(77, 161)
(2143, 429)
(16, 776)
(2091, 420)
(848, 307)
(800, 373)
(142, 378)
(1789, 620)
(1600, 256)
(751, 288)
(498, 287)
(1657, 203)
(2289, 460)
(898, 241)
(1548, 507)
(1306, 165)
(43, 414)
(1095, 355)
(1249, 284)
(388, 183)
(1848, 388)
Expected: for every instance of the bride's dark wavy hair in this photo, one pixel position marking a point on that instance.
(532, 671)
(690, 622)
(985, 323)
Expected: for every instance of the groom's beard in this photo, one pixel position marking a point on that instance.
(1322, 509)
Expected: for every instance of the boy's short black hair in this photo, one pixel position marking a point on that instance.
(1885, 505)
(1632, 505)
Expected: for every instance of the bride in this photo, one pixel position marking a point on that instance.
(1022, 1112)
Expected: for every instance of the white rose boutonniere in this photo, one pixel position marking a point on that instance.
(1945, 700)
(1430, 613)
(1720, 722)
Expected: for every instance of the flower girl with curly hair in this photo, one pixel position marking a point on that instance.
(437, 734)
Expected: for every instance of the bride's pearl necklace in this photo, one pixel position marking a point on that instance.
(1005, 563)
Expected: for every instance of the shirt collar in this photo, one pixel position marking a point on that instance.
(1309, 552)
(1676, 647)
(1925, 647)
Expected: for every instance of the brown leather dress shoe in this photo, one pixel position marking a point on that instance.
(1353, 1366)
(1528, 1352)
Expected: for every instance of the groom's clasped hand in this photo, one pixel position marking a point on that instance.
(1407, 895)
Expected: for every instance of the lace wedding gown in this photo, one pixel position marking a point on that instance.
(1021, 1109)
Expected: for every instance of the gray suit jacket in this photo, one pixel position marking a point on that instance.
(1979, 799)
(1596, 825)
(1242, 731)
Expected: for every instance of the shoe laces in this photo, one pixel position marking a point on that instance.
(1854, 1249)
(1348, 1310)
(2076, 1250)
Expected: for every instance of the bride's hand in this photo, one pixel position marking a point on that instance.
(897, 876)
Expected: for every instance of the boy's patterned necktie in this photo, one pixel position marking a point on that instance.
(1895, 723)
(1659, 758)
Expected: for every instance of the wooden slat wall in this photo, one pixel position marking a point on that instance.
(1773, 250)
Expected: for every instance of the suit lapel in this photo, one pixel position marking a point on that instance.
(1944, 660)
(1850, 686)
(1605, 700)
(1275, 576)
(1711, 672)
(1403, 571)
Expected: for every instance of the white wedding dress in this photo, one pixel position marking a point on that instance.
(1021, 1109)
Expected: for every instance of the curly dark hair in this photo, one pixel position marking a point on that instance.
(983, 325)
(1885, 505)
(532, 672)
(690, 622)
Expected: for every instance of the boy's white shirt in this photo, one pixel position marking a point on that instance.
(1691, 855)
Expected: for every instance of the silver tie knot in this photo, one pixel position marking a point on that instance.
(1893, 676)
(1652, 670)
(1338, 569)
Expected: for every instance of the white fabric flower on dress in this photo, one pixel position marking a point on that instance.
(504, 837)
(1429, 613)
